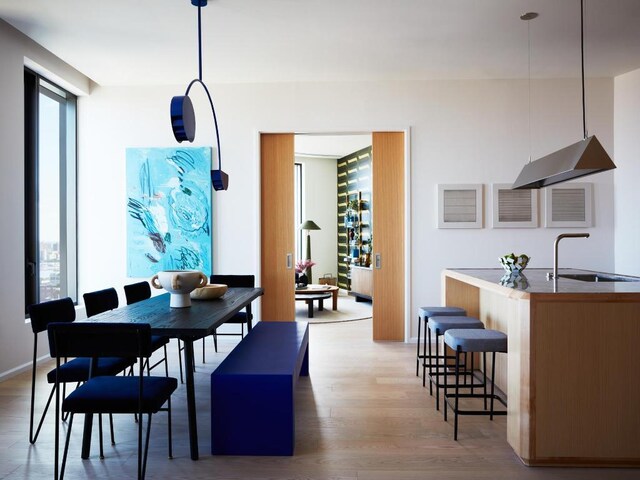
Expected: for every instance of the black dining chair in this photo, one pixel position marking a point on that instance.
(241, 318)
(137, 292)
(72, 371)
(138, 395)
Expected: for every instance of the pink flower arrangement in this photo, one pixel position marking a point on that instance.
(302, 265)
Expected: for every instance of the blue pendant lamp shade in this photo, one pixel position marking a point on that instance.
(183, 120)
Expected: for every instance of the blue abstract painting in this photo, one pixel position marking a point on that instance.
(168, 210)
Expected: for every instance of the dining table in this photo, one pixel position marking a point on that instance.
(187, 324)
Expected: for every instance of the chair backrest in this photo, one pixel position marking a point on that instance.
(136, 292)
(93, 339)
(100, 301)
(42, 314)
(246, 281)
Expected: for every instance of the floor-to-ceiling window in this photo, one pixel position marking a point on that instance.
(50, 191)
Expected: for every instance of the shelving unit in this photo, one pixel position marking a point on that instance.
(354, 215)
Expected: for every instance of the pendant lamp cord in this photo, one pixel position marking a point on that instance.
(584, 111)
(199, 42)
(529, 85)
(199, 80)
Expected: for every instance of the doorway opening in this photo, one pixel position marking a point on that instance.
(333, 175)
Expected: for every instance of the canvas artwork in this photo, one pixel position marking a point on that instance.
(168, 210)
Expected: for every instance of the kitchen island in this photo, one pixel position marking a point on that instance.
(571, 374)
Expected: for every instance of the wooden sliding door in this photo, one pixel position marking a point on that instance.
(277, 227)
(388, 237)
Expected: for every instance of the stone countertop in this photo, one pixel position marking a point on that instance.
(534, 281)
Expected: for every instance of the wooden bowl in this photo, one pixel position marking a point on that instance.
(209, 292)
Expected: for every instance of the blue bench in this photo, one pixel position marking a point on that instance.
(252, 391)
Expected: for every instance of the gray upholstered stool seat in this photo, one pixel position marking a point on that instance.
(442, 324)
(438, 325)
(428, 312)
(468, 341)
(476, 340)
(424, 313)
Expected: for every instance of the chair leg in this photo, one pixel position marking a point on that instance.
(33, 437)
(143, 470)
(180, 361)
(215, 341)
(66, 447)
(169, 427)
(100, 435)
(203, 342)
(166, 361)
(113, 438)
(484, 384)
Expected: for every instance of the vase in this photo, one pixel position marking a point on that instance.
(303, 280)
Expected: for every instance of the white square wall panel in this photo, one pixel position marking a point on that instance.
(460, 206)
(514, 208)
(569, 205)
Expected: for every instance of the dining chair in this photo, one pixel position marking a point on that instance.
(141, 394)
(137, 292)
(242, 317)
(72, 371)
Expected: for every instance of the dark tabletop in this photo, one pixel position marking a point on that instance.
(196, 321)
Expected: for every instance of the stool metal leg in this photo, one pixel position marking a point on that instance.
(493, 382)
(438, 370)
(418, 349)
(484, 362)
(455, 410)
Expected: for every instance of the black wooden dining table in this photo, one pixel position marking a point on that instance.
(187, 324)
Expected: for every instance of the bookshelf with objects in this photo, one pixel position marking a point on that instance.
(355, 232)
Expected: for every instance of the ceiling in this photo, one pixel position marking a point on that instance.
(125, 42)
(330, 145)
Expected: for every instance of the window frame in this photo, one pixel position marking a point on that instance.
(34, 86)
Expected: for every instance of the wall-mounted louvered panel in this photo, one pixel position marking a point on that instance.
(460, 206)
(514, 208)
(569, 205)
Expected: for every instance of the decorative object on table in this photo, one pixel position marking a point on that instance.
(460, 205)
(514, 263)
(169, 210)
(183, 120)
(577, 160)
(179, 283)
(302, 269)
(209, 292)
(515, 279)
(309, 225)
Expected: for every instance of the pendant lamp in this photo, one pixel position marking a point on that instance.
(577, 160)
(183, 121)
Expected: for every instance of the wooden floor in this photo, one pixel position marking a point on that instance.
(362, 414)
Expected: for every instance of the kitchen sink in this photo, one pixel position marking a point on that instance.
(598, 277)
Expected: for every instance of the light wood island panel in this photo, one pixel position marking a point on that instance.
(571, 371)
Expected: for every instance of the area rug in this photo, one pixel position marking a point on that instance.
(348, 310)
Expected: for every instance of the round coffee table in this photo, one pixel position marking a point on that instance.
(312, 289)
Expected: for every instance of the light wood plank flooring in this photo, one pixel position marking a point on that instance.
(362, 414)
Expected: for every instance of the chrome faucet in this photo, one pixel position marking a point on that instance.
(554, 275)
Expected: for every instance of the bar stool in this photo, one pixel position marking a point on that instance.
(469, 341)
(439, 325)
(424, 313)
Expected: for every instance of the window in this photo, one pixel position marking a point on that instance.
(50, 191)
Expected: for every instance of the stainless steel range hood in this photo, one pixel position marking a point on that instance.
(582, 158)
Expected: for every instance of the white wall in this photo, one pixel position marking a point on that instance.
(461, 132)
(16, 338)
(320, 204)
(627, 175)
